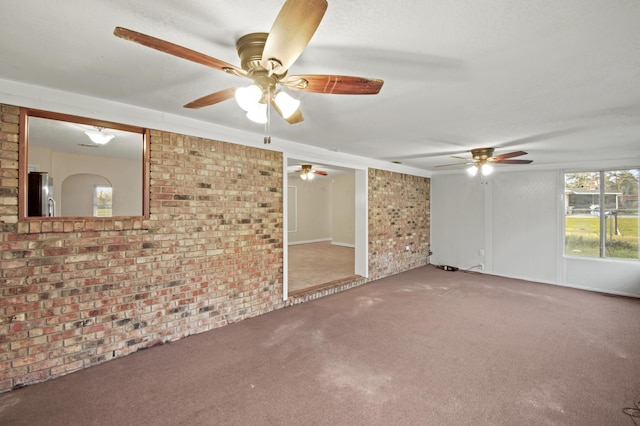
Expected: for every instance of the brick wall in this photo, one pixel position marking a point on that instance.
(77, 293)
(399, 216)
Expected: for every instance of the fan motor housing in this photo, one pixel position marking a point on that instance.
(250, 48)
(482, 153)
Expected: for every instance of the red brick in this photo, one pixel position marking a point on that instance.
(139, 282)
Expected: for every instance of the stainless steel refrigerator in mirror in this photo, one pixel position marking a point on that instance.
(40, 195)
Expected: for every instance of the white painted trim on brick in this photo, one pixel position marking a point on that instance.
(285, 226)
(362, 223)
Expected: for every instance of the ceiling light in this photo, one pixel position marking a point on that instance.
(258, 114)
(306, 176)
(486, 169)
(286, 104)
(248, 97)
(98, 136)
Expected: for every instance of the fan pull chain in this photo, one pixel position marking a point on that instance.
(267, 136)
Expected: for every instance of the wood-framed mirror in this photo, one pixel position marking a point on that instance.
(78, 167)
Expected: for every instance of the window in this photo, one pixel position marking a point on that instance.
(71, 166)
(601, 214)
(102, 204)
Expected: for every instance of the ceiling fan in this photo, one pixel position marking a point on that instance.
(266, 58)
(483, 158)
(306, 172)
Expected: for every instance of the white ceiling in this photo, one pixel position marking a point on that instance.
(559, 79)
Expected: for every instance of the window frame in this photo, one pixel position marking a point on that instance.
(23, 166)
(601, 218)
(96, 205)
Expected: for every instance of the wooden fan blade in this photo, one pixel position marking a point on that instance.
(509, 155)
(294, 118)
(320, 172)
(212, 99)
(292, 30)
(176, 50)
(512, 161)
(334, 84)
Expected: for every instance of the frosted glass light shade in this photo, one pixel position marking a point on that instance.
(258, 114)
(248, 97)
(286, 104)
(486, 169)
(473, 170)
(99, 137)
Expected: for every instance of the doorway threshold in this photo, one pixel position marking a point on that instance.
(325, 289)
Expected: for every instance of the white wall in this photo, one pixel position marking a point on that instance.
(457, 221)
(343, 213)
(313, 210)
(124, 175)
(517, 219)
(524, 225)
(78, 194)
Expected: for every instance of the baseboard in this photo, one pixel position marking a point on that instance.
(335, 243)
(320, 240)
(576, 286)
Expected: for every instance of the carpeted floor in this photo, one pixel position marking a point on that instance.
(425, 347)
(318, 263)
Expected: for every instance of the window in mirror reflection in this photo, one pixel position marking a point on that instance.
(102, 205)
(80, 167)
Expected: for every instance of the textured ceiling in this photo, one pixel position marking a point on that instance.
(557, 78)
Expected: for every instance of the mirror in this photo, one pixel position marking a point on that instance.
(66, 172)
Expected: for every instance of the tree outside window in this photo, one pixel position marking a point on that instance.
(103, 201)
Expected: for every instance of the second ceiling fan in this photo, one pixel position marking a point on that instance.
(307, 171)
(266, 58)
(482, 159)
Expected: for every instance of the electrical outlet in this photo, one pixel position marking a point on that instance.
(481, 252)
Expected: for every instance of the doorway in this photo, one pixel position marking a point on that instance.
(323, 226)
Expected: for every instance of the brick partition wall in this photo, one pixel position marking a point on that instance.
(399, 216)
(75, 293)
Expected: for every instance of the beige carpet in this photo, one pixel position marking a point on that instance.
(318, 263)
(424, 347)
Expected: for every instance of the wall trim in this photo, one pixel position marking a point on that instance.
(319, 240)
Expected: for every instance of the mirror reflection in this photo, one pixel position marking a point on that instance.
(78, 169)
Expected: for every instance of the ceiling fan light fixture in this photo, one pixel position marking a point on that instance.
(258, 114)
(486, 169)
(473, 170)
(286, 104)
(98, 136)
(248, 97)
(306, 176)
